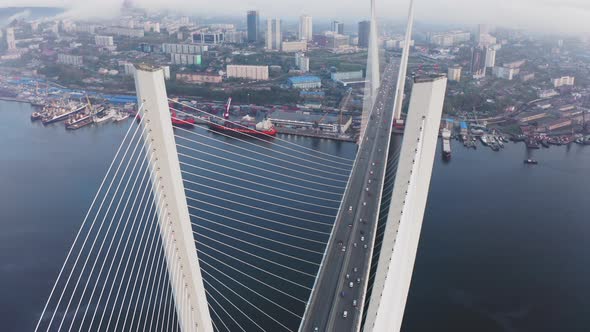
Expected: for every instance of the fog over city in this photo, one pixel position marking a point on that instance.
(554, 16)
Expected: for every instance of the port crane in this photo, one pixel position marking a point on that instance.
(227, 108)
(90, 107)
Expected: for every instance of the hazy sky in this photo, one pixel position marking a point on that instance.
(569, 16)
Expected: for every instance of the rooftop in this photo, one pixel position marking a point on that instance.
(304, 79)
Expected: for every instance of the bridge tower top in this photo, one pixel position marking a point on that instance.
(188, 290)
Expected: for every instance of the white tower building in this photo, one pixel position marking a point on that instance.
(305, 28)
(490, 57)
(10, 40)
(273, 34)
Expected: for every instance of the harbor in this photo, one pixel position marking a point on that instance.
(74, 107)
(62, 196)
(472, 135)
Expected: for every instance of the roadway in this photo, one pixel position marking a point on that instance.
(342, 280)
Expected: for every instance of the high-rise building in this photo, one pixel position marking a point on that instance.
(454, 73)
(336, 41)
(504, 73)
(151, 27)
(71, 60)
(185, 59)
(305, 28)
(247, 72)
(447, 39)
(127, 32)
(562, 81)
(302, 62)
(253, 26)
(103, 40)
(490, 57)
(483, 29)
(478, 62)
(483, 37)
(235, 37)
(10, 40)
(364, 30)
(273, 34)
(338, 27)
(184, 48)
(208, 38)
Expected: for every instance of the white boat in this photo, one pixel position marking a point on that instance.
(57, 113)
(485, 140)
(120, 116)
(109, 115)
(446, 140)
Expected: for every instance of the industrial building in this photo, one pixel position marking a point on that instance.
(304, 82)
(528, 117)
(558, 124)
(333, 123)
(348, 77)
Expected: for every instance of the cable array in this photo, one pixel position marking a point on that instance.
(116, 276)
(262, 210)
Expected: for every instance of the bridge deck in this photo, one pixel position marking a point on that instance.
(348, 254)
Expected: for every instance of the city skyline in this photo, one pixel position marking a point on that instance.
(543, 16)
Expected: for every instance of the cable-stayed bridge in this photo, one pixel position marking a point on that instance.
(195, 230)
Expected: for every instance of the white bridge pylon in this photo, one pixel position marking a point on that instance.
(180, 251)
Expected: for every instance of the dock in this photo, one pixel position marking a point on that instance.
(313, 134)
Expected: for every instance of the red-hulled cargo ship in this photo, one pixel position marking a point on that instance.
(245, 126)
(186, 122)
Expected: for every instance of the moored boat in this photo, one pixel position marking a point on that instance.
(36, 116)
(55, 113)
(446, 141)
(245, 126)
